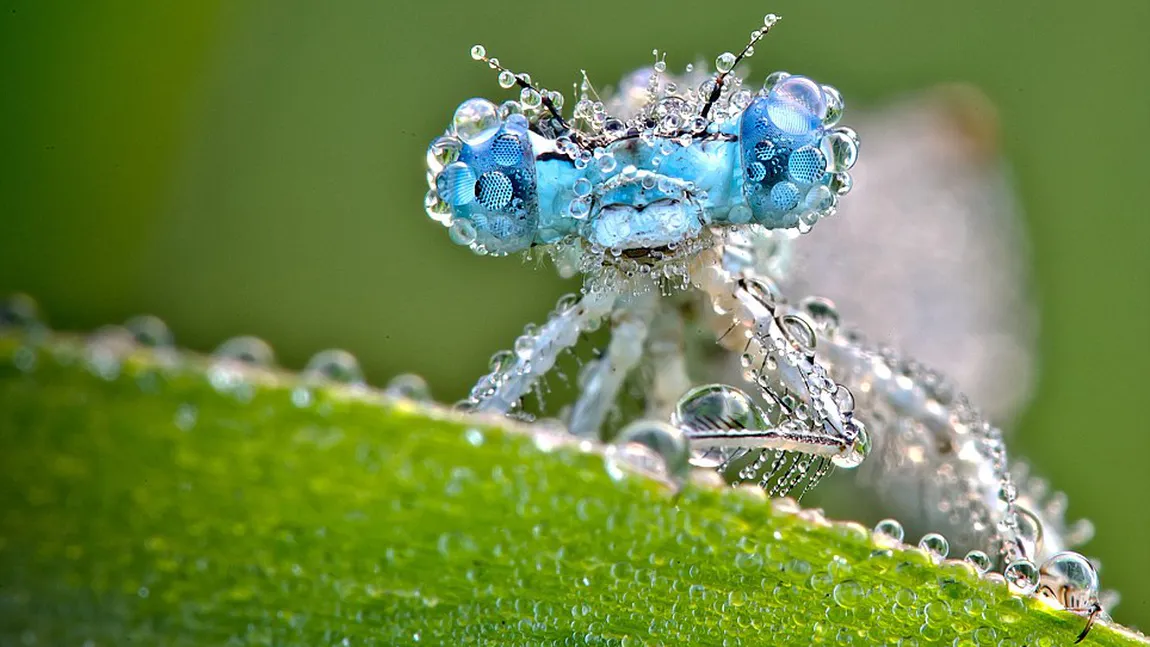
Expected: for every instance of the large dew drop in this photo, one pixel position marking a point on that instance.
(334, 365)
(475, 120)
(1072, 579)
(796, 105)
(652, 446)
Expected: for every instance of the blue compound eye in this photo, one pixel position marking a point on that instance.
(484, 176)
(792, 166)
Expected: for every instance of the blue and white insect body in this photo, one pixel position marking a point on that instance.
(676, 201)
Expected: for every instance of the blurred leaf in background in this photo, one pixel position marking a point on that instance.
(257, 167)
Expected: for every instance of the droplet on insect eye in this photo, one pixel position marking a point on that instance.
(651, 445)
(582, 187)
(506, 79)
(979, 560)
(475, 118)
(462, 232)
(1022, 575)
(890, 529)
(840, 150)
(740, 215)
(456, 184)
(441, 152)
(796, 105)
(773, 79)
(725, 62)
(478, 52)
(834, 106)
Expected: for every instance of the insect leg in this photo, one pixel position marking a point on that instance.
(601, 386)
(665, 348)
(513, 374)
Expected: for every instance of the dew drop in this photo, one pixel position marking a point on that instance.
(840, 150)
(441, 152)
(20, 311)
(652, 446)
(889, 529)
(935, 544)
(409, 386)
(848, 594)
(1071, 578)
(150, 331)
(478, 52)
(462, 232)
(475, 120)
(1022, 575)
(725, 62)
(334, 365)
(979, 560)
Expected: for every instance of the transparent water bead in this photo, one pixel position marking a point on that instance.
(889, 529)
(409, 386)
(935, 544)
(151, 331)
(1022, 575)
(979, 560)
(796, 105)
(334, 365)
(246, 350)
(19, 311)
(840, 150)
(857, 453)
(651, 446)
(475, 119)
(1071, 579)
(725, 62)
(716, 406)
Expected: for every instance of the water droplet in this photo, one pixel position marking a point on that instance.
(150, 331)
(905, 598)
(822, 313)
(506, 79)
(774, 79)
(478, 52)
(334, 365)
(856, 453)
(979, 560)
(725, 62)
(441, 152)
(1022, 575)
(1071, 578)
(246, 350)
(848, 594)
(409, 386)
(20, 311)
(935, 544)
(889, 529)
(475, 120)
(462, 232)
(716, 406)
(186, 416)
(840, 150)
(796, 105)
(652, 446)
(937, 613)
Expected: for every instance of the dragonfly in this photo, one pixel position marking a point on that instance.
(680, 201)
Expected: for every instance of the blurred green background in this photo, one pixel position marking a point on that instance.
(257, 167)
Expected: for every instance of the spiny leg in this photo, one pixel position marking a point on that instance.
(514, 373)
(600, 385)
(808, 421)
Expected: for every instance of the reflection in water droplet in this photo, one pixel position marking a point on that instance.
(151, 331)
(889, 529)
(979, 560)
(246, 350)
(716, 406)
(651, 446)
(409, 386)
(1022, 575)
(1071, 578)
(848, 594)
(334, 365)
(935, 544)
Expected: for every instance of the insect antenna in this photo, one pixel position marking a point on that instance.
(730, 61)
(507, 78)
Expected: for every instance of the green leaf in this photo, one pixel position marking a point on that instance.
(148, 498)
